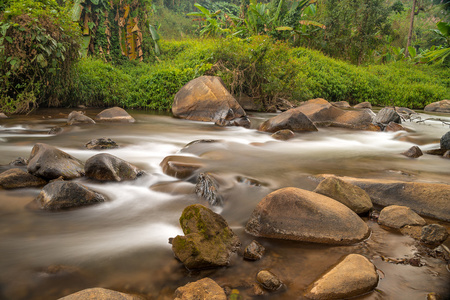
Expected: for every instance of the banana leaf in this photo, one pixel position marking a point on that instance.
(85, 41)
(76, 10)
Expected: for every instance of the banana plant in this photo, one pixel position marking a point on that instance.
(439, 55)
(212, 23)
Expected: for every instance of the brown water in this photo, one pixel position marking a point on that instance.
(123, 244)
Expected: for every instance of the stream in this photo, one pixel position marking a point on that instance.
(123, 244)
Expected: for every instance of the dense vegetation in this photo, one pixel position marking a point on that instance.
(351, 50)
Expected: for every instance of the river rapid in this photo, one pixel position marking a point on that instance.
(123, 244)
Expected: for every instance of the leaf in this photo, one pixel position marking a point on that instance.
(203, 10)
(9, 39)
(284, 28)
(85, 41)
(312, 23)
(95, 2)
(127, 11)
(76, 10)
(154, 33)
(412, 51)
(444, 28)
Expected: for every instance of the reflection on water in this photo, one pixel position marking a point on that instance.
(123, 244)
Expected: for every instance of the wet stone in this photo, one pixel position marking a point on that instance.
(204, 289)
(433, 234)
(254, 251)
(283, 135)
(269, 280)
(101, 143)
(396, 216)
(19, 162)
(208, 188)
(413, 152)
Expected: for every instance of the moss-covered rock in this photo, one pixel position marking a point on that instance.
(208, 241)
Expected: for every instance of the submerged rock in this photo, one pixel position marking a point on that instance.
(292, 119)
(20, 161)
(433, 235)
(180, 167)
(203, 289)
(283, 135)
(59, 195)
(439, 106)
(394, 127)
(17, 178)
(100, 294)
(107, 167)
(114, 114)
(242, 121)
(78, 117)
(101, 143)
(254, 251)
(300, 215)
(348, 194)
(354, 275)
(208, 241)
(49, 163)
(413, 152)
(206, 99)
(208, 188)
(269, 280)
(396, 216)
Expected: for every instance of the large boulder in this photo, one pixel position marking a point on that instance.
(427, 199)
(49, 163)
(107, 167)
(348, 194)
(397, 216)
(59, 195)
(354, 275)
(300, 215)
(206, 99)
(322, 113)
(203, 289)
(114, 114)
(100, 294)
(208, 241)
(17, 178)
(78, 117)
(445, 141)
(439, 106)
(387, 115)
(292, 119)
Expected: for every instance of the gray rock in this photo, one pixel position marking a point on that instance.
(254, 251)
(269, 280)
(439, 106)
(100, 294)
(242, 121)
(433, 234)
(292, 119)
(387, 115)
(3, 116)
(208, 241)
(348, 194)
(20, 161)
(49, 163)
(114, 114)
(363, 105)
(203, 289)
(296, 214)
(207, 187)
(396, 216)
(353, 276)
(445, 141)
(250, 103)
(413, 152)
(107, 167)
(78, 117)
(101, 144)
(404, 110)
(17, 178)
(60, 195)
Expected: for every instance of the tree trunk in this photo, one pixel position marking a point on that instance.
(411, 25)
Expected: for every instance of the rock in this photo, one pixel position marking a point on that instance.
(249, 103)
(269, 280)
(292, 119)
(19, 162)
(49, 163)
(283, 135)
(394, 127)
(396, 216)
(427, 199)
(100, 294)
(353, 276)
(208, 188)
(439, 106)
(404, 110)
(206, 99)
(283, 104)
(17, 178)
(208, 241)
(341, 104)
(203, 289)
(242, 121)
(387, 115)
(55, 130)
(180, 167)
(348, 194)
(300, 215)
(107, 167)
(114, 114)
(445, 141)
(433, 234)
(199, 147)
(254, 251)
(78, 117)
(439, 152)
(101, 143)
(59, 195)
(363, 105)
(413, 152)
(446, 154)
(3, 116)
(323, 114)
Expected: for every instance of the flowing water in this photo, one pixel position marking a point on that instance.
(123, 244)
